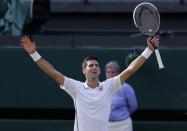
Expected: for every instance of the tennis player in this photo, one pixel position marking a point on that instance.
(92, 98)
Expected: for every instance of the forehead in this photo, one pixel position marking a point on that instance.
(110, 69)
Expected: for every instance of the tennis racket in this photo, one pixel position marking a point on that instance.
(147, 19)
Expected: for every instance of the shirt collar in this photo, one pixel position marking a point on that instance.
(86, 86)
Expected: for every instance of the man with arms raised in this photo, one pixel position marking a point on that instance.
(92, 98)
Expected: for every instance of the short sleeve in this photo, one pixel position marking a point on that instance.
(70, 86)
(113, 83)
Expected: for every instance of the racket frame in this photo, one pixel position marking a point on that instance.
(159, 59)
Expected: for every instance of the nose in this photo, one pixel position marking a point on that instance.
(94, 66)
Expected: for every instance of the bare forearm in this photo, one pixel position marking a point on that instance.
(136, 64)
(30, 48)
(132, 68)
(50, 71)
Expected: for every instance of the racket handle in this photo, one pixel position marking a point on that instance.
(159, 60)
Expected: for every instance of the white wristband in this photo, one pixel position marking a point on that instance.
(146, 53)
(35, 56)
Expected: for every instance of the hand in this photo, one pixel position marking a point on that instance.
(153, 42)
(28, 45)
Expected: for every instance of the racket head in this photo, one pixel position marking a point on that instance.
(146, 18)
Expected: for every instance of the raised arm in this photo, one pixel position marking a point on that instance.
(30, 48)
(139, 61)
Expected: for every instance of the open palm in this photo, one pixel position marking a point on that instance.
(28, 45)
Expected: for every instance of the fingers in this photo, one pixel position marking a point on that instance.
(28, 45)
(25, 40)
(154, 41)
(34, 45)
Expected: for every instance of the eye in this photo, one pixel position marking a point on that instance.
(111, 72)
(96, 65)
(91, 65)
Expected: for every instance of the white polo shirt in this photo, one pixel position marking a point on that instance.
(92, 105)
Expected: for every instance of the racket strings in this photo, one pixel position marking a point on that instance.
(147, 21)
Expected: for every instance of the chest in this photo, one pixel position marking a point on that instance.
(96, 97)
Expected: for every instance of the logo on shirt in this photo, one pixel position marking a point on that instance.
(100, 88)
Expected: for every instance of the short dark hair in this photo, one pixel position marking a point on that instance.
(84, 63)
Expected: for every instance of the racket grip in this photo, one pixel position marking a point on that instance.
(159, 60)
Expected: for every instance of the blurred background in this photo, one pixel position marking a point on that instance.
(66, 31)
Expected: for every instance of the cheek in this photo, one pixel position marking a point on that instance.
(108, 75)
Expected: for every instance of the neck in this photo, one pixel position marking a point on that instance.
(92, 83)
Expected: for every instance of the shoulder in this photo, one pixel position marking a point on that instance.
(127, 87)
(115, 79)
(72, 81)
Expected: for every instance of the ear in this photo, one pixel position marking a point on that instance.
(83, 70)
